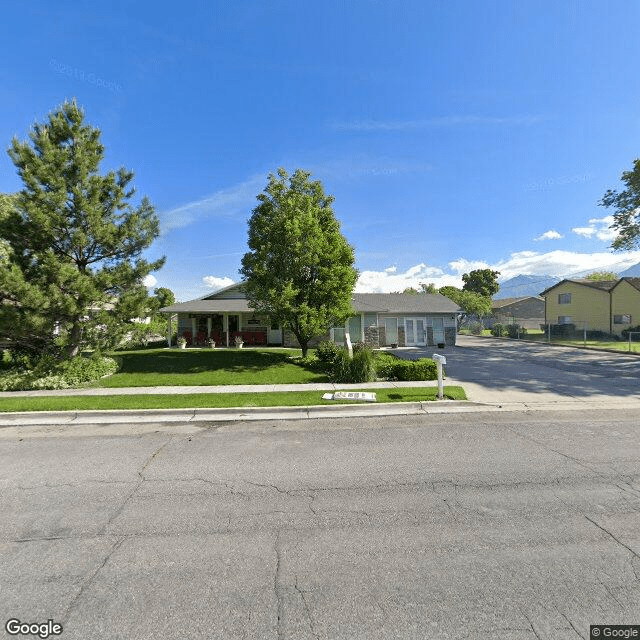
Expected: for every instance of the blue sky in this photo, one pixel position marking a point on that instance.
(453, 135)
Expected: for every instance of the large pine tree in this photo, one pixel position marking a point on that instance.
(72, 277)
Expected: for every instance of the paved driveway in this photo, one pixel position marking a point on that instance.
(507, 371)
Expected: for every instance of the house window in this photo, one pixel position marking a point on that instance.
(564, 319)
(564, 298)
(622, 319)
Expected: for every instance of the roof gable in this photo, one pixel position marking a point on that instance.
(403, 303)
(603, 285)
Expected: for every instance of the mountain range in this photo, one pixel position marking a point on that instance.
(530, 285)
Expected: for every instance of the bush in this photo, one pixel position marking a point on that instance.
(340, 369)
(359, 346)
(327, 353)
(362, 366)
(515, 330)
(498, 330)
(50, 374)
(628, 330)
(384, 363)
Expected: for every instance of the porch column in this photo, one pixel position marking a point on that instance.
(169, 329)
(347, 338)
(193, 328)
(362, 327)
(225, 326)
(209, 327)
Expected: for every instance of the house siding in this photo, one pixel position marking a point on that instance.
(625, 300)
(528, 313)
(588, 306)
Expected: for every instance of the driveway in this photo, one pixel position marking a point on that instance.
(501, 371)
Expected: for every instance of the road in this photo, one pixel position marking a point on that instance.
(507, 525)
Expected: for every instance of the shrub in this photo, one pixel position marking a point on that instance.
(384, 363)
(423, 369)
(515, 330)
(498, 330)
(628, 330)
(327, 352)
(359, 346)
(362, 366)
(340, 369)
(49, 374)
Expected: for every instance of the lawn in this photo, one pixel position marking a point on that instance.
(197, 367)
(215, 400)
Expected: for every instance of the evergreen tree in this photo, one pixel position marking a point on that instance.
(73, 277)
(300, 269)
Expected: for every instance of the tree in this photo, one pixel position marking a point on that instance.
(300, 269)
(481, 281)
(471, 303)
(602, 275)
(428, 288)
(74, 275)
(626, 218)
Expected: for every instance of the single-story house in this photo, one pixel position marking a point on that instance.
(595, 305)
(379, 319)
(527, 311)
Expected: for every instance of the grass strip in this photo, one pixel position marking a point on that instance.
(215, 400)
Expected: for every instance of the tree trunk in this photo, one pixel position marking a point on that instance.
(75, 338)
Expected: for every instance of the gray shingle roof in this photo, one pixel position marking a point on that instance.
(403, 303)
(362, 303)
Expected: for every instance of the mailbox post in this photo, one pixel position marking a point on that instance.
(440, 360)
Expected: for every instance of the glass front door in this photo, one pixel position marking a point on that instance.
(438, 330)
(415, 332)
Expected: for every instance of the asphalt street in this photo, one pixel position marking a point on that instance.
(505, 525)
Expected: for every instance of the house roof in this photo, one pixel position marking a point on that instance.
(634, 282)
(361, 302)
(603, 285)
(403, 303)
(505, 302)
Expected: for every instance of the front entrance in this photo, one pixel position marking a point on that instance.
(415, 333)
(274, 335)
(438, 331)
(234, 324)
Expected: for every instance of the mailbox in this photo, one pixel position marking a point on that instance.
(438, 358)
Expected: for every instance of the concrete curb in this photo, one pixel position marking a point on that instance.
(238, 414)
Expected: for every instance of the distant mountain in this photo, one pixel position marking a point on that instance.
(525, 285)
(631, 272)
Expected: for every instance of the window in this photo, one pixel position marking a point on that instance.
(564, 319)
(622, 319)
(564, 298)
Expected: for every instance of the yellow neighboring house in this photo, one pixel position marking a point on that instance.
(595, 305)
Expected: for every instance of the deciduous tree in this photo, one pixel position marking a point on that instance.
(626, 205)
(299, 269)
(481, 281)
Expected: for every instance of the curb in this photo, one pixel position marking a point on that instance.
(19, 419)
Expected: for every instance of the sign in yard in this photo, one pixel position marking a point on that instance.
(365, 396)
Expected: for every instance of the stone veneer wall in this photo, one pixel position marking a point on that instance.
(450, 336)
(430, 341)
(402, 341)
(372, 336)
(291, 341)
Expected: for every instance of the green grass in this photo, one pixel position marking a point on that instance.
(197, 367)
(215, 400)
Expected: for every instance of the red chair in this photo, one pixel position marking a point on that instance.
(201, 338)
(188, 336)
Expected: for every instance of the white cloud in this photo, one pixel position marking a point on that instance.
(150, 281)
(235, 202)
(599, 228)
(549, 235)
(212, 282)
(461, 265)
(391, 269)
(558, 263)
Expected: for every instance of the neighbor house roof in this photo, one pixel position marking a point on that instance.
(603, 285)
(505, 302)
(634, 282)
